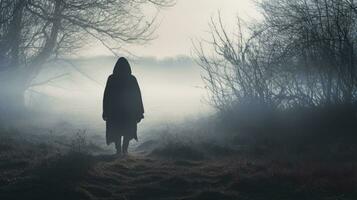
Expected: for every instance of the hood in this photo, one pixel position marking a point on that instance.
(122, 67)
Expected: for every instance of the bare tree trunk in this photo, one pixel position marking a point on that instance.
(33, 32)
(18, 78)
(12, 99)
(12, 86)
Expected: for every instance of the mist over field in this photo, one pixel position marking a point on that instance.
(178, 99)
(172, 91)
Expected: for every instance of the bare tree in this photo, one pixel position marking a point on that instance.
(318, 37)
(33, 32)
(239, 71)
(303, 53)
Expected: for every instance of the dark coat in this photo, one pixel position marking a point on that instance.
(122, 106)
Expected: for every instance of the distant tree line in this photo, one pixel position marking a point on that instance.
(33, 32)
(302, 54)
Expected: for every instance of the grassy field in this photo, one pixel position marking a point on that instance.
(40, 167)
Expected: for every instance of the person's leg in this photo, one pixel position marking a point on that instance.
(118, 145)
(125, 144)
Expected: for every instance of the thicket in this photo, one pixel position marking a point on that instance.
(295, 68)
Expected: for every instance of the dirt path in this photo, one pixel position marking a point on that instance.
(38, 171)
(137, 177)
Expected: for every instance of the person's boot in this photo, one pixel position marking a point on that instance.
(125, 147)
(118, 148)
(118, 152)
(125, 151)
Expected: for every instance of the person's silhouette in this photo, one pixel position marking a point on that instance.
(122, 106)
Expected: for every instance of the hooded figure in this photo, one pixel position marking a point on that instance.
(122, 106)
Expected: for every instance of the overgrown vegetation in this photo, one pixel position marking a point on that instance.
(294, 71)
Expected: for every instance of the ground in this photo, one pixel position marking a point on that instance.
(38, 170)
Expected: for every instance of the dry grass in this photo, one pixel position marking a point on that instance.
(174, 169)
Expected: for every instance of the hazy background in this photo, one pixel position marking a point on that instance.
(182, 23)
(280, 121)
(169, 78)
(172, 91)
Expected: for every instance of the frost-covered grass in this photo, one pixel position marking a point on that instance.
(179, 162)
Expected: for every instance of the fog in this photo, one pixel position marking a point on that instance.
(172, 91)
(179, 25)
(243, 99)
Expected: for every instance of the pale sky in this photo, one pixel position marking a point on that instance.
(188, 20)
